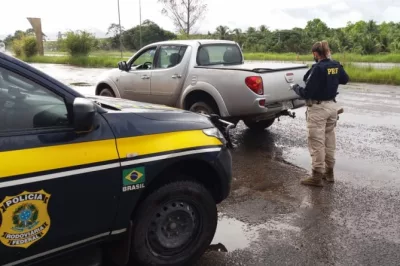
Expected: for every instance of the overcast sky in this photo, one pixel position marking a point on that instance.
(95, 15)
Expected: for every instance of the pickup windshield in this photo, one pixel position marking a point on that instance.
(217, 54)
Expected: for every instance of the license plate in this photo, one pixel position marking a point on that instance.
(287, 105)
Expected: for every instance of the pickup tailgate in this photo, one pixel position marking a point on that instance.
(277, 79)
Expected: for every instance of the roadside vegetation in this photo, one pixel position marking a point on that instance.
(372, 75)
(292, 57)
(342, 57)
(80, 61)
(363, 41)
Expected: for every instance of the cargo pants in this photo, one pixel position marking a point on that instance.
(321, 124)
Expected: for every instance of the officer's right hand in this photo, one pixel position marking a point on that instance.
(293, 86)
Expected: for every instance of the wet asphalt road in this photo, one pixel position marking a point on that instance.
(270, 219)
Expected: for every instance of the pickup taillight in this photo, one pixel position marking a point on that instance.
(255, 83)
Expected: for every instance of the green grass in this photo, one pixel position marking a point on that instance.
(356, 73)
(372, 75)
(96, 53)
(344, 58)
(93, 61)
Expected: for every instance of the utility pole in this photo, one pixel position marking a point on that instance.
(120, 30)
(36, 24)
(140, 22)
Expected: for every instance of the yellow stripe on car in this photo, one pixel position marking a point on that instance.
(157, 143)
(25, 161)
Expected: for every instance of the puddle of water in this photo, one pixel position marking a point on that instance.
(351, 169)
(233, 234)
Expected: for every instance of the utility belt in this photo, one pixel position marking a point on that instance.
(310, 103)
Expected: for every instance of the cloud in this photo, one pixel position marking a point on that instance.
(338, 13)
(275, 14)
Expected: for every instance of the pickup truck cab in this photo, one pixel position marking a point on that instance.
(142, 180)
(207, 76)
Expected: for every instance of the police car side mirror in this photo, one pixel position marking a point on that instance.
(84, 111)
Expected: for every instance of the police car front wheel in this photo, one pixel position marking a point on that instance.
(174, 225)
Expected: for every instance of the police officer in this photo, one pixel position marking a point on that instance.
(321, 85)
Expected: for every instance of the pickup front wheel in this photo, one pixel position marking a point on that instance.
(174, 225)
(260, 125)
(107, 92)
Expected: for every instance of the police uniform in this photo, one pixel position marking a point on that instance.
(322, 82)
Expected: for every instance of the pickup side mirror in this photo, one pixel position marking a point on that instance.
(123, 66)
(84, 111)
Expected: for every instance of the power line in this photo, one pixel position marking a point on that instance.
(140, 22)
(120, 29)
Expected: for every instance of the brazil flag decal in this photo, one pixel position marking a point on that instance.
(133, 179)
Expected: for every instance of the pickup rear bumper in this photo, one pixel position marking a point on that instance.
(269, 110)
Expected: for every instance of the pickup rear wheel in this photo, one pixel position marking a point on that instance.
(174, 225)
(260, 125)
(203, 108)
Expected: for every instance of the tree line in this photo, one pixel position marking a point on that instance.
(362, 37)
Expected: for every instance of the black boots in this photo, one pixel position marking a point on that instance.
(329, 176)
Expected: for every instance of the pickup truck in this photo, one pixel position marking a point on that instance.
(207, 76)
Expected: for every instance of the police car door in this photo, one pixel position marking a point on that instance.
(57, 186)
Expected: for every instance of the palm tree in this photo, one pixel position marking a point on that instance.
(222, 32)
(251, 30)
(238, 36)
(263, 29)
(371, 27)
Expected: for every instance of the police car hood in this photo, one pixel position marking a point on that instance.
(149, 110)
(131, 106)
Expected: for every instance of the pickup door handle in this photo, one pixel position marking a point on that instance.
(145, 77)
(176, 76)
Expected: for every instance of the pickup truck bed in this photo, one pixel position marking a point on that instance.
(257, 67)
(273, 76)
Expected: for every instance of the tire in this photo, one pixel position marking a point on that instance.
(260, 125)
(107, 92)
(183, 201)
(203, 108)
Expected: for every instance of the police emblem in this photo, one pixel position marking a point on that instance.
(25, 218)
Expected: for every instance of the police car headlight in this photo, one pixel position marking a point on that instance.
(214, 132)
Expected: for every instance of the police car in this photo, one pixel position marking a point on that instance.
(144, 180)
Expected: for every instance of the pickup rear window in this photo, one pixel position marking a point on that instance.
(217, 54)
